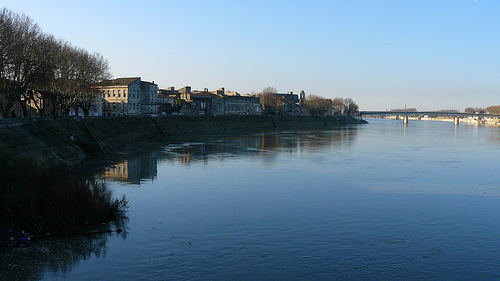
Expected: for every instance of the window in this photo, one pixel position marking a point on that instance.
(119, 93)
(124, 95)
(114, 95)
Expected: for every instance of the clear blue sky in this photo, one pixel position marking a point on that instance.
(431, 55)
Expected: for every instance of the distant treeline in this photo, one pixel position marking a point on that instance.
(494, 109)
(314, 105)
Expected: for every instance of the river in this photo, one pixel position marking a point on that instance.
(381, 201)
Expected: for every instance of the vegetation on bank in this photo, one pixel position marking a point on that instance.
(55, 200)
(314, 105)
(494, 109)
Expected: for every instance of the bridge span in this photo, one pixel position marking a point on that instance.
(405, 115)
(426, 113)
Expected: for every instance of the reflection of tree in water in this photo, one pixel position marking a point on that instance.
(59, 255)
(265, 145)
(493, 135)
(268, 146)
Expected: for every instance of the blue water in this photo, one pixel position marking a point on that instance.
(381, 201)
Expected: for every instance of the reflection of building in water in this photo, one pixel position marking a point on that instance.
(267, 145)
(134, 170)
(185, 159)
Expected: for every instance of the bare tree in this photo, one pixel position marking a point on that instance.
(352, 107)
(65, 85)
(93, 69)
(24, 65)
(269, 100)
(338, 106)
(345, 106)
(39, 94)
(7, 34)
(318, 105)
(494, 109)
(36, 68)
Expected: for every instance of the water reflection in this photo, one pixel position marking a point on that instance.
(57, 255)
(265, 145)
(370, 202)
(134, 169)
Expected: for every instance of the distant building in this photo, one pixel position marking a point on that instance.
(219, 102)
(197, 103)
(170, 92)
(289, 104)
(149, 96)
(128, 96)
(167, 99)
(232, 94)
(290, 97)
(220, 92)
(185, 92)
(237, 105)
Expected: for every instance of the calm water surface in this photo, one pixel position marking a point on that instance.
(381, 201)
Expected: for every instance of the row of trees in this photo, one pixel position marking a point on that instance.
(39, 70)
(315, 105)
(474, 110)
(494, 109)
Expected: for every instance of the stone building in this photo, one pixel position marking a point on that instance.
(128, 96)
(237, 105)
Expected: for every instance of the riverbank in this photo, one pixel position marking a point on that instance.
(72, 141)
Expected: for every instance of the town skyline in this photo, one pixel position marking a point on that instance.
(428, 55)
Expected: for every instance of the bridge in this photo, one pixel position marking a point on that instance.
(418, 114)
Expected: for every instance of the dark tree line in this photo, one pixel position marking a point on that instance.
(474, 110)
(315, 105)
(494, 109)
(46, 73)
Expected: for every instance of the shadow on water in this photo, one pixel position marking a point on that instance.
(53, 217)
(59, 255)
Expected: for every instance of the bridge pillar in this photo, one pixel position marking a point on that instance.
(405, 119)
(456, 120)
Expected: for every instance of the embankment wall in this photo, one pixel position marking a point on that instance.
(72, 141)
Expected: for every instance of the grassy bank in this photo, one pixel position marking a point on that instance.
(71, 141)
